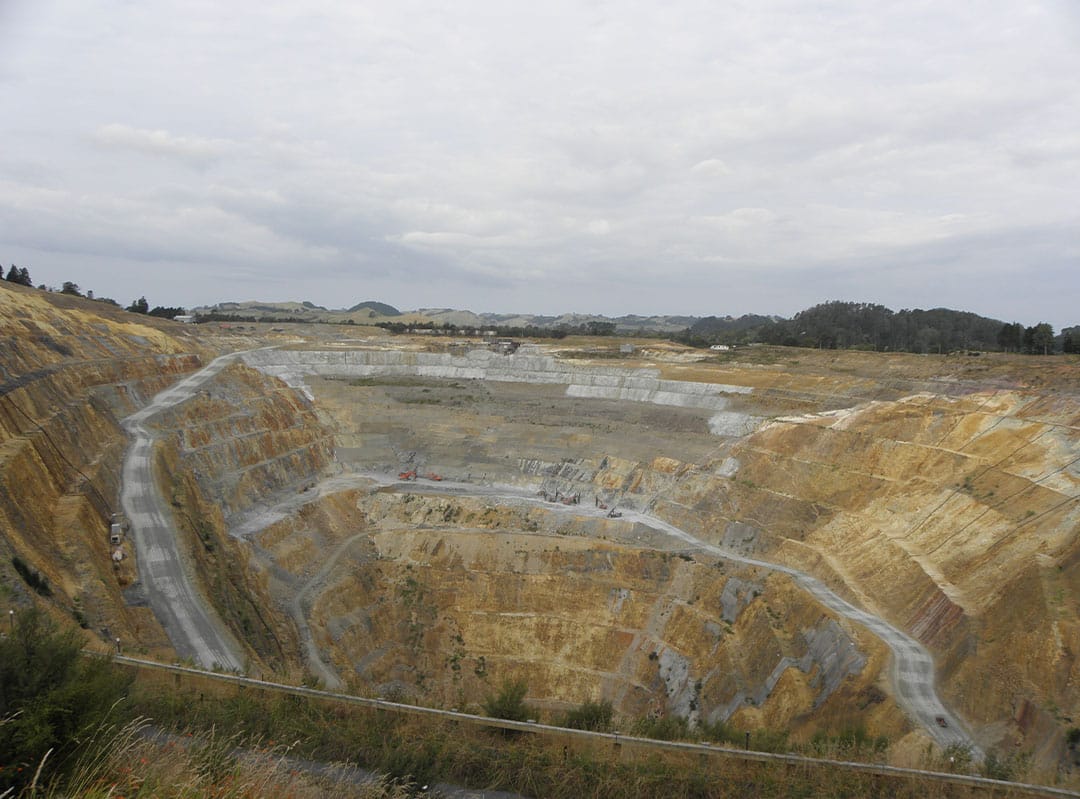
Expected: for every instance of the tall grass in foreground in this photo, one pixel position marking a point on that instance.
(134, 761)
(428, 750)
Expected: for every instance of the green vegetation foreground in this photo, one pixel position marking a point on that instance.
(78, 726)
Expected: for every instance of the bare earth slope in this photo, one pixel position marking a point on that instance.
(70, 369)
(936, 493)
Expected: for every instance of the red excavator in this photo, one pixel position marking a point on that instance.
(432, 476)
(409, 475)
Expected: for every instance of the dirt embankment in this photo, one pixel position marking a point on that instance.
(441, 599)
(70, 369)
(937, 492)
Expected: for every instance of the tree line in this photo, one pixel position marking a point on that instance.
(865, 326)
(450, 329)
(21, 276)
(830, 325)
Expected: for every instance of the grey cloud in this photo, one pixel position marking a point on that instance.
(191, 149)
(668, 157)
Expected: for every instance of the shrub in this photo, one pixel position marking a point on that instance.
(668, 728)
(1012, 766)
(509, 703)
(594, 716)
(957, 757)
(50, 697)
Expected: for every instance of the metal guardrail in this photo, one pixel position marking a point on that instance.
(614, 738)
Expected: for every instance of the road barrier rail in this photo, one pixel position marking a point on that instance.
(621, 745)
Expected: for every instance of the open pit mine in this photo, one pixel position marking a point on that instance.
(774, 539)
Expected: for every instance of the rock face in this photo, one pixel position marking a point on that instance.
(242, 442)
(443, 599)
(525, 366)
(939, 494)
(970, 504)
(70, 369)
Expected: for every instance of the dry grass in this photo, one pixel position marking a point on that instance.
(429, 750)
(136, 761)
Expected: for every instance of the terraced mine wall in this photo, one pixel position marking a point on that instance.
(949, 511)
(524, 366)
(441, 599)
(67, 375)
(70, 371)
(243, 441)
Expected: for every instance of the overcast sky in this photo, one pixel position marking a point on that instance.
(677, 157)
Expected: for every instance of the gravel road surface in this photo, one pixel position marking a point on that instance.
(912, 671)
(192, 625)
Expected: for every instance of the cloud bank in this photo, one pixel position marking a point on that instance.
(634, 157)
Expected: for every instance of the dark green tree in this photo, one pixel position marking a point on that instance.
(1039, 340)
(166, 312)
(20, 276)
(50, 696)
(595, 328)
(1070, 340)
(1011, 337)
(139, 306)
(71, 288)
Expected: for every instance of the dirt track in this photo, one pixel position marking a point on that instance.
(912, 672)
(189, 620)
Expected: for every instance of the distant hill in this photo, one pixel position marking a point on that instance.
(381, 308)
(829, 325)
(364, 313)
(372, 312)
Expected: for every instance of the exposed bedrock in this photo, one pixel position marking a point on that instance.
(67, 376)
(937, 511)
(940, 499)
(588, 382)
(244, 441)
(443, 598)
(247, 438)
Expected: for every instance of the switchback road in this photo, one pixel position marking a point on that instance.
(912, 671)
(189, 620)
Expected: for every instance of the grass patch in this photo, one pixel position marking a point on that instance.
(235, 742)
(423, 750)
